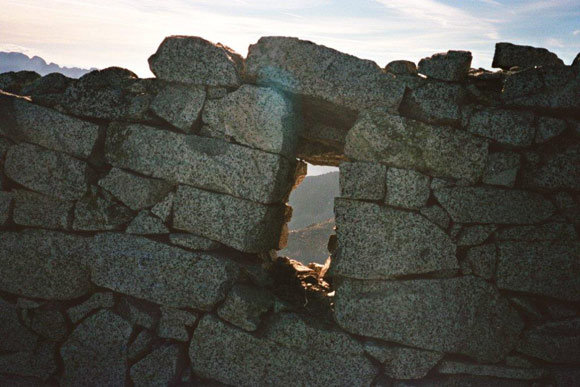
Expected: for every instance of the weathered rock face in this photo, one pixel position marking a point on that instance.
(558, 171)
(449, 66)
(466, 315)
(434, 102)
(195, 61)
(157, 369)
(36, 210)
(555, 342)
(179, 105)
(395, 141)
(509, 55)
(325, 79)
(402, 362)
(505, 126)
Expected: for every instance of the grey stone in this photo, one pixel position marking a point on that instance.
(555, 342)
(254, 361)
(401, 67)
(48, 90)
(364, 181)
(402, 362)
(173, 323)
(543, 232)
(518, 362)
(194, 242)
(55, 259)
(482, 260)
(52, 173)
(159, 368)
(504, 126)
(36, 210)
(463, 381)
(569, 208)
(502, 169)
(179, 105)
(96, 351)
(49, 324)
(407, 188)
(241, 224)
(474, 235)
(434, 103)
(5, 206)
(379, 242)
(25, 303)
(508, 55)
(137, 313)
(527, 307)
(162, 210)
(565, 376)
(449, 66)
(245, 305)
(493, 205)
(215, 92)
(39, 363)
(21, 381)
(561, 310)
(441, 151)
(97, 301)
(15, 81)
(436, 215)
(465, 315)
(325, 79)
(548, 128)
(258, 117)
(141, 345)
(15, 336)
(199, 161)
(545, 268)
(133, 265)
(97, 211)
(459, 367)
(146, 224)
(559, 171)
(51, 129)
(136, 192)
(196, 61)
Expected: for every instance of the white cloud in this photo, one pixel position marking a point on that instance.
(576, 32)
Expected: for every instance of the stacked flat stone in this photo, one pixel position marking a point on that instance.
(139, 218)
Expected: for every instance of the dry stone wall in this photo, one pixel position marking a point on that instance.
(140, 219)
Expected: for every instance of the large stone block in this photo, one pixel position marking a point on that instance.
(199, 161)
(407, 188)
(545, 268)
(15, 336)
(179, 105)
(134, 265)
(403, 362)
(376, 242)
(379, 136)
(434, 102)
(159, 368)
(258, 117)
(462, 315)
(505, 126)
(43, 264)
(232, 356)
(494, 205)
(196, 61)
(364, 181)
(52, 173)
(555, 342)
(558, 171)
(97, 211)
(241, 224)
(5, 206)
(36, 210)
(448, 66)
(328, 81)
(508, 55)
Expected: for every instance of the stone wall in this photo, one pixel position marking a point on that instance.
(140, 218)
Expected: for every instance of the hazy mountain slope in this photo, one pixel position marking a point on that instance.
(15, 61)
(313, 200)
(310, 244)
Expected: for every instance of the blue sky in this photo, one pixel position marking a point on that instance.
(125, 32)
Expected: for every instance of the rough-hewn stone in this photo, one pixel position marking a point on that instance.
(493, 205)
(549, 128)
(555, 342)
(36, 210)
(434, 102)
(401, 67)
(49, 324)
(199, 161)
(97, 301)
(407, 188)
(449, 66)
(543, 232)
(474, 235)
(97, 211)
(505, 126)
(378, 136)
(52, 173)
(508, 55)
(137, 313)
(5, 206)
(141, 345)
(546, 268)
(39, 363)
(179, 105)
(502, 169)
(196, 61)
(436, 215)
(174, 322)
(194, 242)
(159, 368)
(465, 315)
(146, 224)
(258, 117)
(459, 367)
(55, 259)
(558, 171)
(162, 210)
(482, 260)
(96, 351)
(133, 265)
(136, 192)
(245, 305)
(378, 242)
(15, 336)
(241, 224)
(402, 362)
(365, 181)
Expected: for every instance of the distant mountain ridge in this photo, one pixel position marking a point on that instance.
(16, 61)
(313, 200)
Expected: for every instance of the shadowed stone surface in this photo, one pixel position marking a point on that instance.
(502, 169)
(194, 242)
(543, 232)
(97, 301)
(196, 61)
(466, 315)
(458, 367)
(49, 324)
(162, 210)
(15, 336)
(52, 173)
(39, 363)
(436, 215)
(548, 128)
(248, 226)
(482, 260)
(449, 66)
(96, 351)
(401, 67)
(505, 126)
(558, 171)
(133, 265)
(33, 209)
(493, 205)
(146, 224)
(56, 259)
(179, 105)
(555, 342)
(199, 161)
(546, 268)
(232, 356)
(434, 102)
(475, 235)
(5, 206)
(159, 368)
(508, 55)
(245, 305)
(258, 117)
(378, 242)
(364, 181)
(174, 322)
(402, 362)
(379, 136)
(97, 211)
